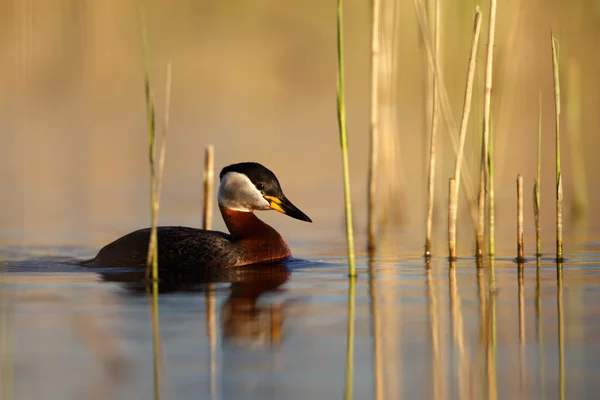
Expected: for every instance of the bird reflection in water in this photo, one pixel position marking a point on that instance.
(244, 322)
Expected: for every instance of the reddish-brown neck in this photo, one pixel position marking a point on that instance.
(243, 225)
(260, 242)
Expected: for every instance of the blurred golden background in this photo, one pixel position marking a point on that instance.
(257, 80)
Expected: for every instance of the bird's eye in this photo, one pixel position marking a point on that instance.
(260, 186)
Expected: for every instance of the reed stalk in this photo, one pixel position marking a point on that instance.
(536, 186)
(452, 195)
(152, 259)
(156, 172)
(520, 245)
(207, 216)
(491, 198)
(341, 115)
(480, 232)
(463, 128)
(445, 107)
(434, 123)
(559, 224)
(350, 340)
(559, 189)
(487, 131)
(374, 134)
(209, 168)
(492, 276)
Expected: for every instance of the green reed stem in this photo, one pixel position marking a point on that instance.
(341, 114)
(350, 343)
(536, 187)
(480, 228)
(155, 182)
(152, 260)
(491, 197)
(559, 189)
(492, 275)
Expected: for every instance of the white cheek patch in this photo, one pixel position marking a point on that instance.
(237, 192)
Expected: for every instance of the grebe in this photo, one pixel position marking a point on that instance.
(244, 188)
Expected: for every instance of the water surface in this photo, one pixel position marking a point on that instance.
(280, 331)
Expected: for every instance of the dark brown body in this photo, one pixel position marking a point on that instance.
(250, 241)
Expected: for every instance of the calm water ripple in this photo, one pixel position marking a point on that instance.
(279, 331)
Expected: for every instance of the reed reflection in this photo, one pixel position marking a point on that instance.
(483, 307)
(540, 328)
(390, 320)
(439, 373)
(561, 330)
(491, 342)
(483, 327)
(458, 334)
(376, 331)
(350, 339)
(522, 365)
(211, 333)
(157, 353)
(6, 362)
